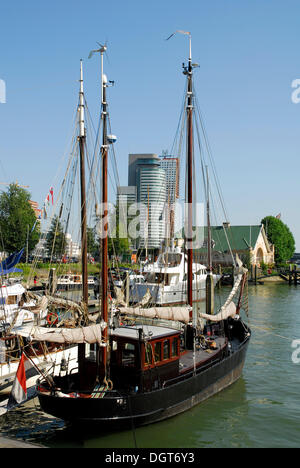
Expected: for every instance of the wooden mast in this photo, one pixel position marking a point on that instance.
(189, 72)
(209, 277)
(81, 139)
(104, 250)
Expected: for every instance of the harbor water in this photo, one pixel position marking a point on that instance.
(262, 409)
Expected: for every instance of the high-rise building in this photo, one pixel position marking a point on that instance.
(171, 166)
(149, 179)
(126, 196)
(152, 194)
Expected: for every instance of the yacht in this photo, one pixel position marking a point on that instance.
(166, 280)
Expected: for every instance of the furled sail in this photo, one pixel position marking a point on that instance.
(180, 314)
(225, 313)
(90, 334)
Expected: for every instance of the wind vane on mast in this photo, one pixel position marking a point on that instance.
(179, 31)
(102, 50)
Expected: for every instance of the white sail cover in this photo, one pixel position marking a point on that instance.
(225, 313)
(90, 334)
(180, 314)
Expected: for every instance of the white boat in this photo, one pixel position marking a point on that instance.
(72, 281)
(56, 359)
(166, 280)
(14, 307)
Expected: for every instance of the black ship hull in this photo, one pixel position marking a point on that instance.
(121, 411)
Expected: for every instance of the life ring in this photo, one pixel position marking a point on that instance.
(52, 318)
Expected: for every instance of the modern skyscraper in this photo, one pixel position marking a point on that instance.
(126, 196)
(171, 166)
(149, 179)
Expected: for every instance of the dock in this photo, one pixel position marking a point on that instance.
(5, 442)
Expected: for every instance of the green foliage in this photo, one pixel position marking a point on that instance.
(92, 242)
(280, 235)
(118, 245)
(56, 239)
(17, 219)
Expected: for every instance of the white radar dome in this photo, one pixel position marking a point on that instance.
(111, 138)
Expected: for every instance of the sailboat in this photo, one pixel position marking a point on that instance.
(143, 373)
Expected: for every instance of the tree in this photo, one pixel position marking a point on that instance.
(17, 220)
(92, 243)
(280, 235)
(56, 239)
(118, 245)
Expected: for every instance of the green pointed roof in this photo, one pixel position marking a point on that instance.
(239, 237)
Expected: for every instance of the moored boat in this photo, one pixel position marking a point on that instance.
(139, 374)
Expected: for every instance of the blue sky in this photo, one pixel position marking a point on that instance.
(248, 54)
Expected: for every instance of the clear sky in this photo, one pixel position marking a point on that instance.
(248, 51)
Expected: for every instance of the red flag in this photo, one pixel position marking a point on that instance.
(19, 390)
(51, 193)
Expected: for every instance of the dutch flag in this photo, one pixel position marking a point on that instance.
(19, 394)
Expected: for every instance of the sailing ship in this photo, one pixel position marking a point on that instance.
(140, 374)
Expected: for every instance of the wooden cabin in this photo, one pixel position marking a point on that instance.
(143, 360)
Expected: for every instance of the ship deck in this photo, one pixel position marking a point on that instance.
(186, 362)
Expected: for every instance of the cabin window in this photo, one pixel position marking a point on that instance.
(171, 259)
(157, 351)
(186, 277)
(148, 354)
(128, 355)
(166, 349)
(91, 352)
(175, 347)
(114, 349)
(12, 299)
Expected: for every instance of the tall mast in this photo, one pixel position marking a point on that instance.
(104, 250)
(81, 139)
(104, 234)
(189, 72)
(209, 277)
